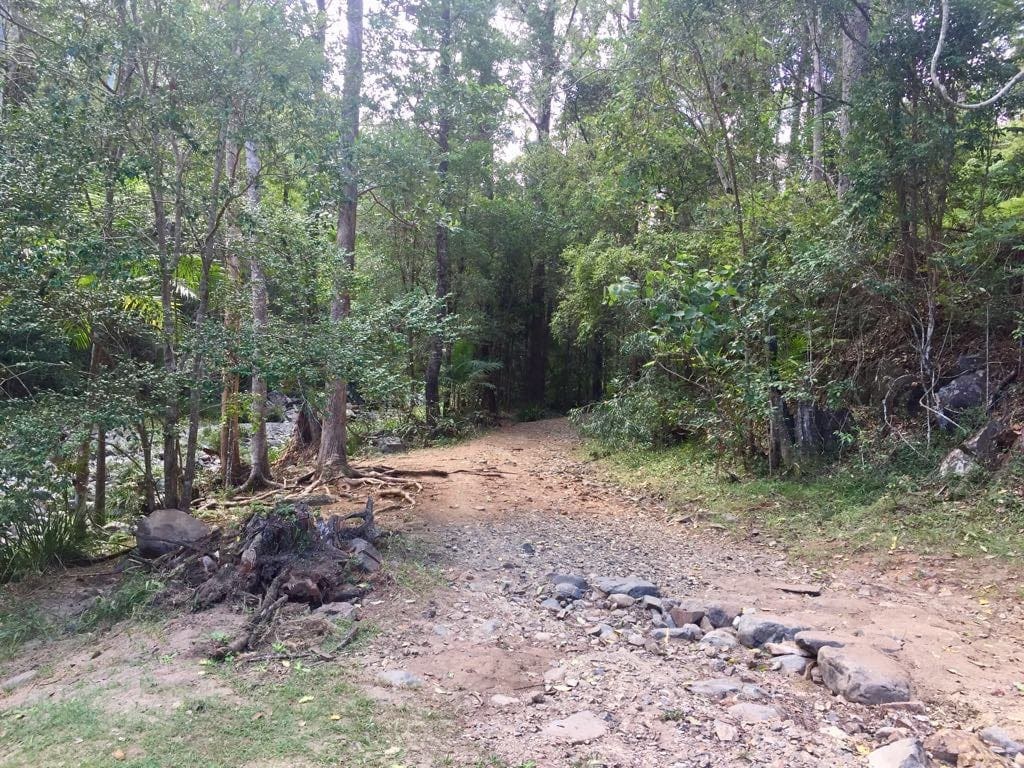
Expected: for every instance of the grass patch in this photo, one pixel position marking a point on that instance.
(19, 626)
(131, 600)
(308, 718)
(878, 505)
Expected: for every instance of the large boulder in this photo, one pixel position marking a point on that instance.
(863, 675)
(962, 393)
(166, 530)
(812, 640)
(755, 629)
(958, 463)
(988, 444)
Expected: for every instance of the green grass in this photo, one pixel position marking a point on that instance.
(311, 717)
(132, 599)
(20, 625)
(893, 500)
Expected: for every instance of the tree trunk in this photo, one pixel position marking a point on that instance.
(538, 336)
(99, 504)
(229, 453)
(198, 361)
(333, 454)
(432, 384)
(168, 265)
(795, 149)
(148, 484)
(855, 41)
(259, 451)
(818, 87)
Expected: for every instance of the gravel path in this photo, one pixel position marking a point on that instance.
(527, 683)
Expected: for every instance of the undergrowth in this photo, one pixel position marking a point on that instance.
(885, 501)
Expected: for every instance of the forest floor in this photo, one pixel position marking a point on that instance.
(460, 665)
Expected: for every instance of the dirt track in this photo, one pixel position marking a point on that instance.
(497, 538)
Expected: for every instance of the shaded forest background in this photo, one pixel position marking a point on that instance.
(756, 227)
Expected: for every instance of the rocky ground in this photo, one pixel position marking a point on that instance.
(552, 618)
(536, 675)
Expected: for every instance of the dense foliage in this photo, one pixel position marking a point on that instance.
(691, 218)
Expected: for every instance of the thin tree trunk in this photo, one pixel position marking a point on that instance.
(818, 86)
(432, 388)
(333, 455)
(855, 40)
(259, 450)
(148, 484)
(168, 266)
(198, 361)
(795, 150)
(99, 504)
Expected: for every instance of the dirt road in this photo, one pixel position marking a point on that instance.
(485, 634)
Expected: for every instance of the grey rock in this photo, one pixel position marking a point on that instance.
(722, 639)
(400, 678)
(812, 640)
(687, 612)
(568, 578)
(863, 675)
(552, 605)
(725, 731)
(365, 555)
(653, 603)
(19, 680)
(339, 610)
(722, 614)
(568, 591)
(621, 601)
(723, 687)
(630, 585)
(792, 665)
(988, 443)
(165, 530)
(391, 444)
(689, 632)
(756, 629)
(785, 649)
(958, 463)
(905, 753)
(1001, 741)
(747, 712)
(963, 392)
(576, 729)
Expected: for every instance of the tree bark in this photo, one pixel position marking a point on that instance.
(818, 87)
(333, 455)
(855, 41)
(259, 451)
(206, 254)
(432, 384)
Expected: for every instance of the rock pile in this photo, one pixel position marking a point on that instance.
(846, 665)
